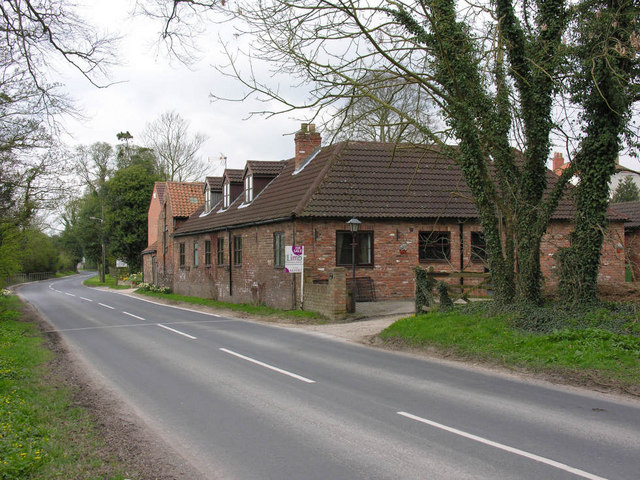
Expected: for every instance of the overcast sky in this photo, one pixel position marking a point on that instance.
(152, 84)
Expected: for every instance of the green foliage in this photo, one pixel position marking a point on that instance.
(445, 299)
(40, 252)
(150, 287)
(474, 332)
(424, 288)
(11, 251)
(128, 194)
(626, 191)
(42, 434)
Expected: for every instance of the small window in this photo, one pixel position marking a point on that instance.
(364, 248)
(220, 251)
(434, 246)
(195, 254)
(226, 195)
(207, 199)
(237, 251)
(248, 189)
(478, 248)
(207, 252)
(182, 255)
(278, 249)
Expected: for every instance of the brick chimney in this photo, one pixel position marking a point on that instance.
(307, 140)
(558, 161)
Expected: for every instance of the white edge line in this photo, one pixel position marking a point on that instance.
(134, 316)
(87, 299)
(107, 306)
(177, 331)
(506, 448)
(270, 367)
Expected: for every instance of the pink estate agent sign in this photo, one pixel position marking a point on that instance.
(294, 258)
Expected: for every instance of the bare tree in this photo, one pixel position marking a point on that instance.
(95, 164)
(176, 148)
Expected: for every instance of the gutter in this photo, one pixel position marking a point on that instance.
(240, 225)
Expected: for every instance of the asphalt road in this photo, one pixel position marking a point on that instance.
(244, 400)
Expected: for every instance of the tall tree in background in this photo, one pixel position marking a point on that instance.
(626, 191)
(175, 147)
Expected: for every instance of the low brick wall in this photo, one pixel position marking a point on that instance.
(328, 299)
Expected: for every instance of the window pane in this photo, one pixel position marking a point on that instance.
(364, 249)
(434, 246)
(195, 254)
(221, 251)
(207, 252)
(478, 247)
(343, 248)
(237, 250)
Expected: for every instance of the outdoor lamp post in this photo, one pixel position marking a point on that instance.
(354, 225)
(102, 273)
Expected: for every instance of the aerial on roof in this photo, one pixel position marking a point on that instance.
(185, 197)
(364, 179)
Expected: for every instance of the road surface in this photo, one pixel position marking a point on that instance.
(245, 400)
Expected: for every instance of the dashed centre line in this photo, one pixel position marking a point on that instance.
(87, 299)
(134, 316)
(177, 331)
(70, 294)
(106, 306)
(270, 367)
(506, 448)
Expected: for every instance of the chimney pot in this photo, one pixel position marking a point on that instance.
(306, 141)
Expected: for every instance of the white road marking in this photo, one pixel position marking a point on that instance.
(177, 331)
(87, 299)
(106, 306)
(270, 367)
(70, 294)
(506, 448)
(132, 315)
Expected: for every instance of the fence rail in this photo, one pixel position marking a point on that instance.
(24, 278)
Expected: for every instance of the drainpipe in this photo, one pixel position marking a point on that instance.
(461, 226)
(294, 300)
(230, 264)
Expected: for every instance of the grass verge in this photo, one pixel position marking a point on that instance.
(581, 355)
(109, 282)
(299, 316)
(42, 434)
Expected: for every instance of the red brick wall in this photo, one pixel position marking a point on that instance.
(153, 215)
(258, 281)
(632, 246)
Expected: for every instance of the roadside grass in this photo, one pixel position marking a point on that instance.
(109, 282)
(299, 316)
(65, 274)
(585, 353)
(42, 434)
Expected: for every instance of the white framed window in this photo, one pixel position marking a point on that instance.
(248, 189)
(207, 199)
(226, 195)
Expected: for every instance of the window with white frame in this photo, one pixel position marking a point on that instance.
(248, 189)
(207, 199)
(226, 195)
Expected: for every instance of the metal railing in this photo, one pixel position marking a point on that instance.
(24, 278)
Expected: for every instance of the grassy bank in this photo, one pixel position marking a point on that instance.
(603, 347)
(109, 282)
(42, 434)
(299, 316)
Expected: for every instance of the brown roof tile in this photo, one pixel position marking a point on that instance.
(215, 183)
(362, 179)
(185, 197)
(631, 210)
(234, 175)
(264, 169)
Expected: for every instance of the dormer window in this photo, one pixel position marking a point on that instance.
(248, 189)
(226, 195)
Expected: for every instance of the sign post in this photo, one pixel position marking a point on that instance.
(294, 263)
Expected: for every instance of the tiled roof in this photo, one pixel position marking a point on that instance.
(234, 175)
(362, 179)
(151, 248)
(215, 183)
(266, 169)
(629, 209)
(185, 197)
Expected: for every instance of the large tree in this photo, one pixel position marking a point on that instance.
(176, 147)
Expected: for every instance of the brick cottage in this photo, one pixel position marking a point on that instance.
(413, 202)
